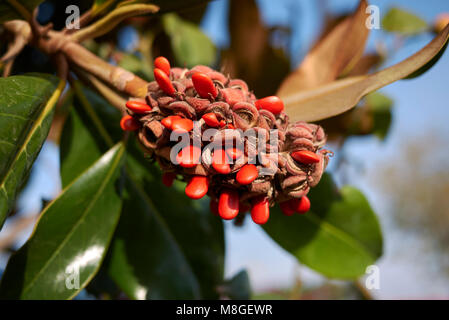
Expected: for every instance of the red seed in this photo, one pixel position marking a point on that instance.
(182, 125)
(260, 211)
(220, 162)
(305, 156)
(189, 156)
(228, 204)
(164, 82)
(287, 207)
(128, 123)
(301, 205)
(163, 64)
(211, 119)
(234, 153)
(168, 121)
(247, 174)
(137, 106)
(213, 206)
(204, 85)
(197, 187)
(168, 178)
(272, 103)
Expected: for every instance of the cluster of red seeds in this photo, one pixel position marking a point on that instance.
(178, 97)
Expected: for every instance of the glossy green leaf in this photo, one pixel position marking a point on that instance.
(143, 242)
(189, 44)
(339, 238)
(145, 259)
(71, 237)
(17, 9)
(199, 233)
(26, 112)
(339, 96)
(402, 21)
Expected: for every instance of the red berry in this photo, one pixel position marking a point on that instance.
(234, 153)
(168, 121)
(301, 205)
(287, 207)
(213, 206)
(247, 174)
(168, 178)
(164, 82)
(137, 106)
(163, 64)
(220, 163)
(204, 85)
(128, 123)
(189, 156)
(197, 187)
(260, 211)
(222, 123)
(182, 125)
(231, 126)
(211, 119)
(305, 156)
(272, 103)
(228, 204)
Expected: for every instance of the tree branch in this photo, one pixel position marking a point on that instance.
(111, 20)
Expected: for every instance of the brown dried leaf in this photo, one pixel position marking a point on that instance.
(336, 52)
(339, 96)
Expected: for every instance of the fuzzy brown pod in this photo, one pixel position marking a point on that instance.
(212, 132)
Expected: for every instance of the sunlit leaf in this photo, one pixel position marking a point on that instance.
(402, 21)
(71, 237)
(339, 238)
(339, 96)
(189, 44)
(338, 50)
(26, 112)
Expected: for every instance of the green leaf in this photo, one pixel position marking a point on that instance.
(339, 238)
(71, 237)
(26, 112)
(189, 44)
(339, 96)
(143, 241)
(380, 108)
(17, 9)
(199, 233)
(145, 259)
(238, 287)
(402, 21)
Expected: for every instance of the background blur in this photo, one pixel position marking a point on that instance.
(405, 176)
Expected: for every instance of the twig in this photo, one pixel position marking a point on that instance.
(21, 31)
(20, 9)
(119, 78)
(110, 95)
(111, 20)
